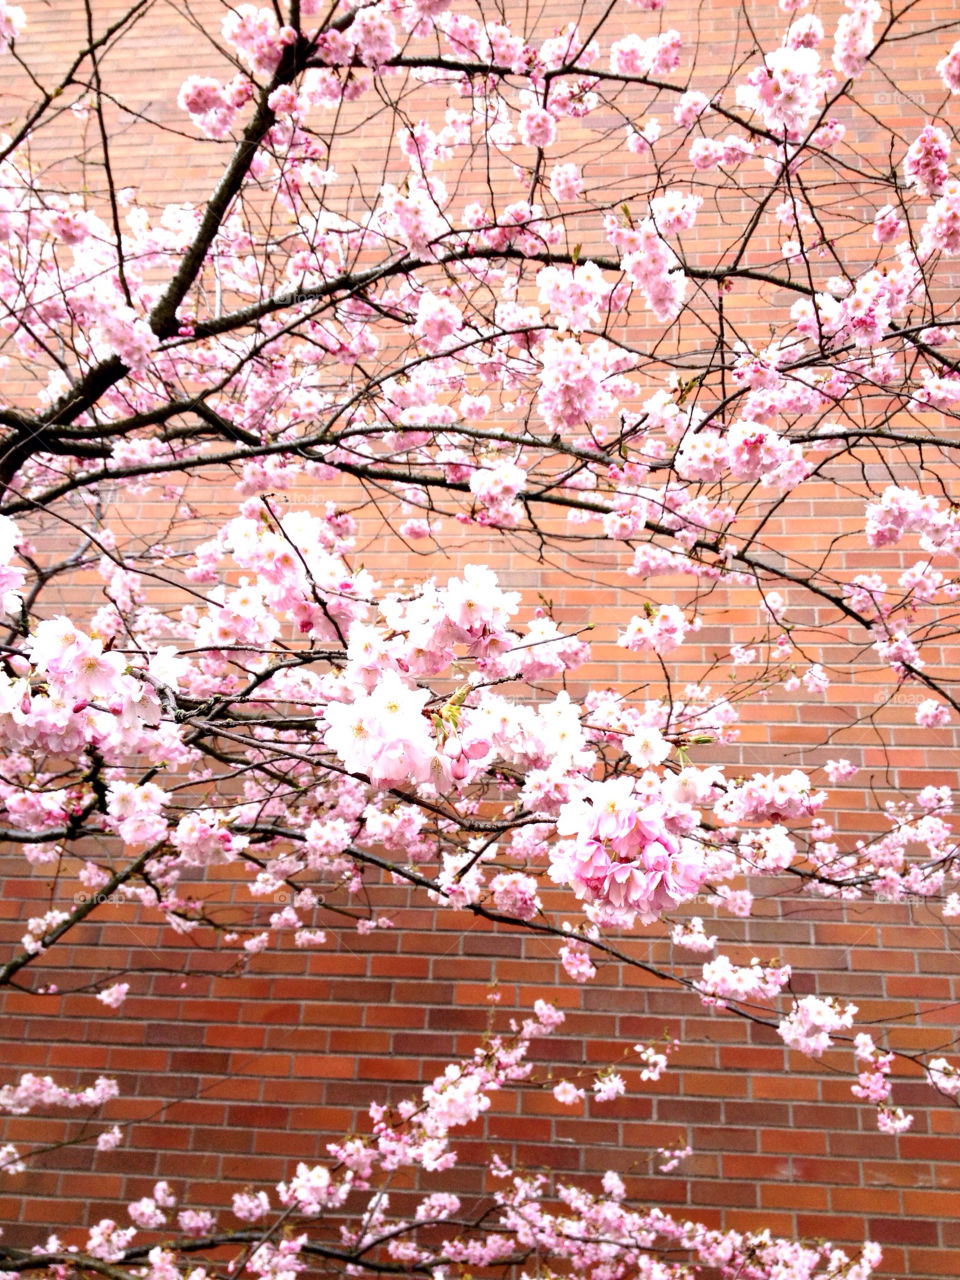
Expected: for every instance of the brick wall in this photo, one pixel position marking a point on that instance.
(228, 1078)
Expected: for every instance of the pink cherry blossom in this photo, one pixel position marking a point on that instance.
(855, 36)
(948, 68)
(537, 127)
(925, 166)
(812, 1022)
(567, 1093)
(566, 182)
(12, 20)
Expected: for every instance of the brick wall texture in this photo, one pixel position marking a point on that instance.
(229, 1077)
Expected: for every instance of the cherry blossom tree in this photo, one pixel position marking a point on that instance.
(421, 301)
